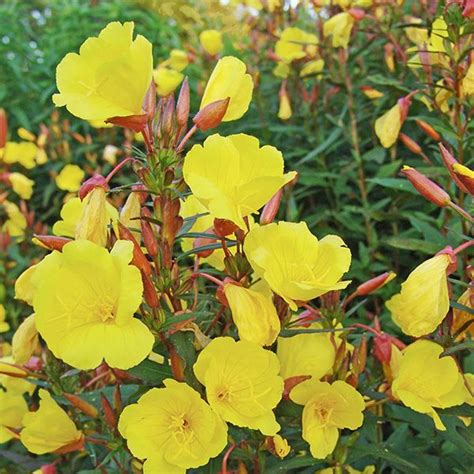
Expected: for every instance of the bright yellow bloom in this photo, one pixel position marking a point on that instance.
(25, 340)
(282, 448)
(166, 80)
(339, 27)
(229, 79)
(461, 318)
(49, 428)
(306, 354)
(23, 153)
(425, 381)
(327, 409)
(467, 85)
(211, 42)
(109, 77)
(21, 185)
(423, 301)
(15, 225)
(312, 67)
(253, 313)
(25, 134)
(4, 326)
(178, 60)
(242, 383)
(12, 408)
(281, 70)
(84, 299)
(284, 111)
(70, 178)
(295, 43)
(250, 177)
(372, 93)
(295, 264)
(387, 127)
(173, 429)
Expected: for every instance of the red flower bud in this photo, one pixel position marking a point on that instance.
(427, 188)
(356, 13)
(428, 129)
(82, 405)
(449, 161)
(51, 242)
(211, 115)
(94, 182)
(3, 128)
(48, 469)
(374, 283)
(109, 413)
(382, 348)
(182, 107)
(271, 208)
(410, 144)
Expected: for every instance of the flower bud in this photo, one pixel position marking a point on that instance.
(149, 291)
(375, 283)
(149, 238)
(271, 208)
(468, 11)
(51, 242)
(139, 259)
(356, 13)
(95, 181)
(382, 348)
(182, 107)
(211, 115)
(389, 57)
(224, 227)
(465, 176)
(359, 357)
(449, 162)
(82, 405)
(109, 413)
(3, 128)
(410, 144)
(428, 129)
(427, 188)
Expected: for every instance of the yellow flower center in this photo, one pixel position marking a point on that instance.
(322, 413)
(223, 394)
(105, 311)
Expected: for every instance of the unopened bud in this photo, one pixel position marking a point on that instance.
(468, 11)
(149, 238)
(375, 283)
(182, 107)
(449, 162)
(466, 176)
(404, 103)
(48, 469)
(359, 357)
(410, 144)
(211, 115)
(51, 242)
(94, 182)
(168, 118)
(271, 208)
(117, 399)
(382, 348)
(202, 241)
(149, 291)
(139, 259)
(389, 57)
(356, 13)
(82, 405)
(149, 102)
(428, 129)
(3, 128)
(109, 413)
(427, 188)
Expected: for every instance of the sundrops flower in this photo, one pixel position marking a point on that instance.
(23, 153)
(22, 185)
(424, 381)
(49, 428)
(178, 60)
(253, 313)
(327, 409)
(211, 42)
(15, 225)
(339, 28)
(295, 43)
(295, 264)
(70, 178)
(173, 429)
(109, 77)
(167, 80)
(84, 300)
(423, 301)
(229, 79)
(240, 185)
(242, 383)
(12, 408)
(25, 340)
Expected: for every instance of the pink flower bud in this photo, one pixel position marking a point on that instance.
(449, 162)
(271, 208)
(3, 128)
(427, 188)
(375, 283)
(94, 182)
(211, 115)
(182, 107)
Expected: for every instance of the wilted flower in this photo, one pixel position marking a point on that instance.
(211, 41)
(295, 43)
(387, 127)
(173, 429)
(242, 383)
(423, 301)
(70, 178)
(250, 177)
(295, 264)
(339, 27)
(25, 340)
(327, 409)
(229, 79)
(49, 428)
(424, 381)
(109, 77)
(12, 408)
(84, 299)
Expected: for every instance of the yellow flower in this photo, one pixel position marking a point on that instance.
(295, 264)
(242, 184)
(24, 286)
(461, 318)
(25, 134)
(23, 153)
(467, 85)
(15, 225)
(211, 42)
(84, 301)
(49, 428)
(4, 326)
(12, 378)
(25, 340)
(284, 112)
(295, 43)
(387, 127)
(12, 408)
(281, 70)
(242, 383)
(425, 381)
(312, 67)
(21, 185)
(166, 80)
(417, 35)
(371, 93)
(306, 354)
(423, 301)
(339, 27)
(253, 313)
(70, 178)
(178, 60)
(327, 409)
(282, 448)
(109, 77)
(173, 429)
(229, 79)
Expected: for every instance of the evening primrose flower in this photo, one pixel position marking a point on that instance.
(12, 408)
(387, 127)
(178, 60)
(22, 185)
(424, 381)
(87, 294)
(339, 28)
(70, 178)
(49, 428)
(25, 340)
(229, 79)
(253, 313)
(327, 409)
(312, 68)
(423, 301)
(250, 177)
(173, 429)
(109, 77)
(23, 153)
(166, 80)
(295, 43)
(242, 383)
(295, 264)
(211, 42)
(15, 225)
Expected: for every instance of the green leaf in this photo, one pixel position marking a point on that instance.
(151, 372)
(413, 244)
